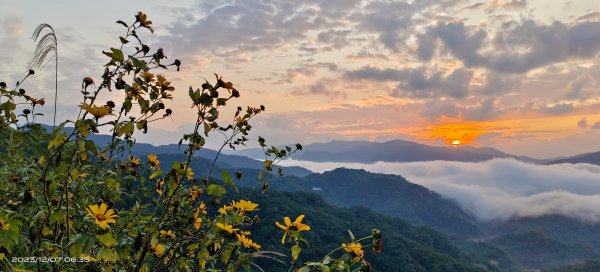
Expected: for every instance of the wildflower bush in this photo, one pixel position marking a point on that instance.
(69, 204)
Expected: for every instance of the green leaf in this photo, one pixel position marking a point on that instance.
(203, 257)
(127, 129)
(57, 216)
(58, 140)
(117, 55)
(122, 23)
(351, 235)
(216, 191)
(107, 255)
(221, 101)
(91, 146)
(127, 104)
(155, 174)
(123, 40)
(295, 252)
(207, 128)
(268, 165)
(52, 188)
(107, 239)
(79, 244)
(304, 269)
(228, 181)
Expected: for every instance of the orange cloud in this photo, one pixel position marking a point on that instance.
(454, 134)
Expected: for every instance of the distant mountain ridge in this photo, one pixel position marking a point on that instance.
(392, 151)
(224, 160)
(591, 158)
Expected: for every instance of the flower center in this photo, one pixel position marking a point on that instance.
(100, 217)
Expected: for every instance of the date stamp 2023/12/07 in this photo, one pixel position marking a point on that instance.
(58, 259)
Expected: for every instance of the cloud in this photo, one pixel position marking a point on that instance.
(10, 31)
(390, 20)
(458, 39)
(590, 16)
(497, 84)
(334, 39)
(558, 108)
(576, 87)
(258, 25)
(325, 87)
(595, 125)
(419, 82)
(499, 188)
(582, 123)
(516, 47)
(484, 110)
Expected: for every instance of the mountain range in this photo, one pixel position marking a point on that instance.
(591, 158)
(392, 151)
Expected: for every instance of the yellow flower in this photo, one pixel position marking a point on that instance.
(247, 242)
(103, 157)
(225, 209)
(158, 249)
(296, 226)
(226, 227)
(166, 95)
(87, 257)
(197, 219)
(188, 171)
(147, 76)
(244, 206)
(164, 84)
(355, 250)
(160, 186)
(201, 209)
(168, 234)
(135, 162)
(239, 120)
(197, 222)
(96, 111)
(2, 256)
(3, 225)
(154, 162)
(142, 18)
(194, 192)
(136, 91)
(40, 101)
(101, 215)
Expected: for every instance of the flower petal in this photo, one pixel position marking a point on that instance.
(103, 208)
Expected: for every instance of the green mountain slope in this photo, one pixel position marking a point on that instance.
(388, 194)
(406, 247)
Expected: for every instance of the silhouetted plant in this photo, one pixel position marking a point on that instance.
(48, 44)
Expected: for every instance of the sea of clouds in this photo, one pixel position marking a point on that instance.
(498, 188)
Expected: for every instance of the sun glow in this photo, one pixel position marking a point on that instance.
(456, 134)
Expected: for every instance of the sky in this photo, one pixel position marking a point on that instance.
(522, 76)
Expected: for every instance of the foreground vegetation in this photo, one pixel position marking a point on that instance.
(69, 204)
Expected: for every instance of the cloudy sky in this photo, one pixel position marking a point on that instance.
(519, 75)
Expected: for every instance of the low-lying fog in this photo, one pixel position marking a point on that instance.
(498, 188)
